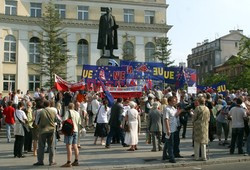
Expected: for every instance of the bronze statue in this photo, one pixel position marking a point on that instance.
(107, 36)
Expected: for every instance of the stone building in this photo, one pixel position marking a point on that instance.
(140, 20)
(209, 55)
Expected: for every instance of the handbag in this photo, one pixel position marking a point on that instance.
(126, 127)
(95, 121)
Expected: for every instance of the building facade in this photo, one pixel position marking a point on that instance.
(209, 55)
(140, 20)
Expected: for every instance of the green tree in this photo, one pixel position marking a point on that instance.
(242, 59)
(213, 78)
(162, 52)
(53, 49)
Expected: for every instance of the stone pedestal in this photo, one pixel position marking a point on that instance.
(104, 61)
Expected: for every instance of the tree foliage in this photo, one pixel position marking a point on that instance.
(162, 52)
(53, 48)
(242, 60)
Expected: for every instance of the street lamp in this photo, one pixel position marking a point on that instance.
(197, 66)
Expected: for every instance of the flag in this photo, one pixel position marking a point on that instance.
(62, 85)
(180, 79)
(108, 95)
(112, 62)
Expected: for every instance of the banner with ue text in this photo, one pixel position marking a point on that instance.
(157, 71)
(110, 75)
(219, 87)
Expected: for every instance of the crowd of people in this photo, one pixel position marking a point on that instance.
(37, 120)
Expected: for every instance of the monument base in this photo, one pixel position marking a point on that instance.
(104, 60)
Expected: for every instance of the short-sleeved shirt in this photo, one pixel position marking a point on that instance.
(238, 115)
(170, 114)
(18, 128)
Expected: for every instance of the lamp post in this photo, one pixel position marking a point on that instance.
(197, 66)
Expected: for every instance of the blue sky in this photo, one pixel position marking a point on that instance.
(196, 20)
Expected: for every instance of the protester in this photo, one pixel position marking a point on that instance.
(94, 106)
(170, 115)
(115, 123)
(35, 131)
(46, 119)
(155, 126)
(102, 122)
(28, 133)
(8, 114)
(20, 119)
(238, 114)
(201, 122)
(71, 141)
(148, 106)
(131, 136)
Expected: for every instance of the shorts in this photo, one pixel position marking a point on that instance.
(71, 140)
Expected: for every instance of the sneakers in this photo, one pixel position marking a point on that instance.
(67, 165)
(75, 163)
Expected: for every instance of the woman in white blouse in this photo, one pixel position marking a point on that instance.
(102, 117)
(20, 120)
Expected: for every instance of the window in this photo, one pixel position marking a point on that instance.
(236, 44)
(9, 82)
(128, 15)
(149, 17)
(82, 52)
(10, 7)
(36, 10)
(83, 12)
(34, 82)
(149, 52)
(10, 48)
(61, 9)
(128, 51)
(34, 50)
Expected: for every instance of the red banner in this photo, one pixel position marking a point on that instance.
(62, 85)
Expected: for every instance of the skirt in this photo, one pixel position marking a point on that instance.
(101, 130)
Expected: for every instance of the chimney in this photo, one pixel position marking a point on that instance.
(238, 30)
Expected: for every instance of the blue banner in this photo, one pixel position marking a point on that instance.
(219, 87)
(157, 71)
(143, 70)
(111, 75)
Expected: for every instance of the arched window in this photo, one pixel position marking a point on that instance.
(128, 50)
(34, 55)
(10, 48)
(149, 52)
(82, 52)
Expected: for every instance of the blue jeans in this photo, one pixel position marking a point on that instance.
(8, 133)
(112, 132)
(237, 135)
(248, 143)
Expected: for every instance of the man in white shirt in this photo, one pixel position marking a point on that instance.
(238, 114)
(37, 94)
(170, 124)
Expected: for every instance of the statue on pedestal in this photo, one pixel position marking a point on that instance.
(107, 36)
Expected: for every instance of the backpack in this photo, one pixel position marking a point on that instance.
(68, 126)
